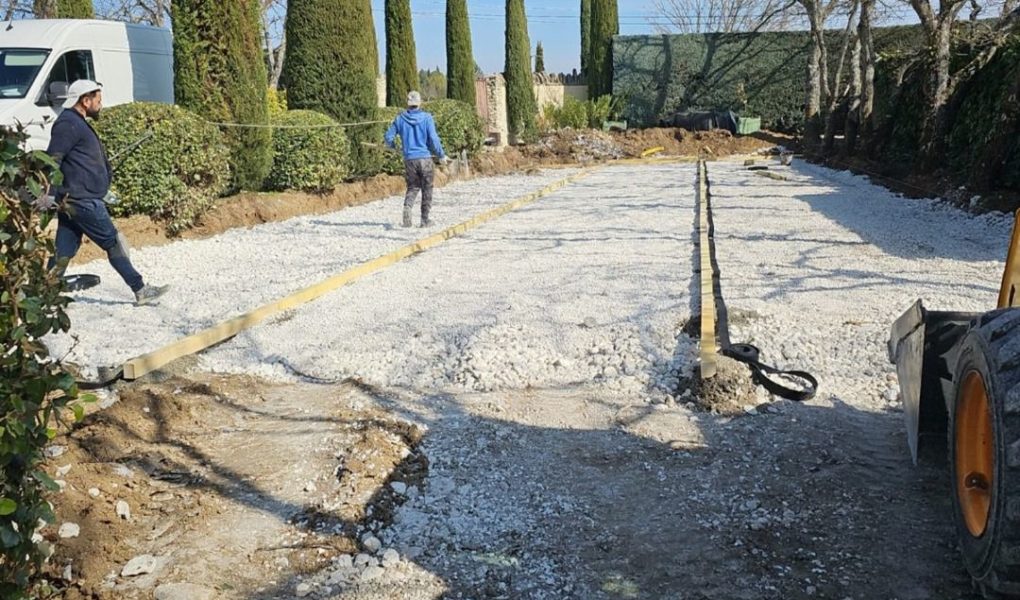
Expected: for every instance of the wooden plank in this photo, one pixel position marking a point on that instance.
(709, 344)
(142, 365)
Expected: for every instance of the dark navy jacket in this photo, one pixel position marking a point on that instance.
(82, 159)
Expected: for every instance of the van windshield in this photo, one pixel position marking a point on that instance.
(18, 69)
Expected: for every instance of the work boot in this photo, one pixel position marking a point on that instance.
(425, 222)
(407, 217)
(149, 294)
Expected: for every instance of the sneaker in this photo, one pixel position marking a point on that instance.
(407, 218)
(425, 222)
(149, 293)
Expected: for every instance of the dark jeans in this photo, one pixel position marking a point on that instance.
(90, 217)
(419, 176)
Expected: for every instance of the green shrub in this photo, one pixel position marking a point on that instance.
(578, 115)
(458, 125)
(33, 387)
(277, 100)
(175, 175)
(385, 161)
(315, 159)
(220, 74)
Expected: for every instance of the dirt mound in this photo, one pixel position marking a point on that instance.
(680, 142)
(581, 146)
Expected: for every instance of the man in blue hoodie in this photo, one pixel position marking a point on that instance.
(418, 136)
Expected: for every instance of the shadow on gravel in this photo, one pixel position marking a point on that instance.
(807, 502)
(895, 226)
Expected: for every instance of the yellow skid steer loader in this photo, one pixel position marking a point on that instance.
(960, 372)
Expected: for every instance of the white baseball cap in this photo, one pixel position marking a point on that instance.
(414, 99)
(78, 89)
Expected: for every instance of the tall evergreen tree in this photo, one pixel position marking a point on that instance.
(44, 9)
(460, 62)
(76, 9)
(220, 73)
(401, 66)
(520, 92)
(332, 61)
(605, 23)
(539, 59)
(585, 35)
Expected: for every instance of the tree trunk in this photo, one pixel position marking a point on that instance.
(865, 33)
(934, 128)
(853, 114)
(44, 9)
(281, 54)
(815, 73)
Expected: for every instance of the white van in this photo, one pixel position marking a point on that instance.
(39, 59)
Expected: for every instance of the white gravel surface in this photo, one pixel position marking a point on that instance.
(816, 269)
(588, 285)
(218, 278)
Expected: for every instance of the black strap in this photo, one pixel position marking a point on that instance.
(749, 355)
(98, 385)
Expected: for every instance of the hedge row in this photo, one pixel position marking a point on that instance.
(179, 171)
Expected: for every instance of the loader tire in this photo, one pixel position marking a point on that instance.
(984, 452)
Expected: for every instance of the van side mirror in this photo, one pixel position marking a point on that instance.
(57, 92)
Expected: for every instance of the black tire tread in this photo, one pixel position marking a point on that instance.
(1000, 333)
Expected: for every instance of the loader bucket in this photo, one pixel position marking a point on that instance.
(923, 345)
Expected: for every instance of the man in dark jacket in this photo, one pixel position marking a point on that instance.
(86, 187)
(418, 136)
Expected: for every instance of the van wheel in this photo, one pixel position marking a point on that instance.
(984, 452)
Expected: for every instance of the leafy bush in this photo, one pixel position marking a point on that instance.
(458, 124)
(277, 100)
(175, 175)
(33, 387)
(577, 114)
(315, 159)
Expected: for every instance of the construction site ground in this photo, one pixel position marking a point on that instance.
(511, 414)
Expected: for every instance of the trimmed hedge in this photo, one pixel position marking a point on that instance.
(220, 73)
(458, 124)
(175, 175)
(312, 160)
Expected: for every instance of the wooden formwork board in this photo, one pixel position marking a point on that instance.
(142, 365)
(709, 344)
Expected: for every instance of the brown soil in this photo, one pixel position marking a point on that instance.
(560, 148)
(230, 481)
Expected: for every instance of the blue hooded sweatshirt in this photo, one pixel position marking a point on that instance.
(418, 136)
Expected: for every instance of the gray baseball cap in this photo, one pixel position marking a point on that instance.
(414, 98)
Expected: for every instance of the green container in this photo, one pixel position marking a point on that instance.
(748, 125)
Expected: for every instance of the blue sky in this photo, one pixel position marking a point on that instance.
(556, 23)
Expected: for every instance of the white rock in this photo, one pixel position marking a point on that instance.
(64, 470)
(344, 561)
(69, 530)
(123, 510)
(184, 591)
(54, 451)
(399, 487)
(371, 543)
(139, 565)
(310, 487)
(68, 574)
(94, 492)
(363, 560)
(390, 558)
(302, 590)
(371, 573)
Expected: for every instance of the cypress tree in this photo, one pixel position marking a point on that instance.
(76, 9)
(332, 61)
(220, 73)
(605, 23)
(520, 92)
(460, 63)
(585, 35)
(401, 67)
(539, 59)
